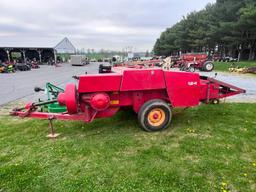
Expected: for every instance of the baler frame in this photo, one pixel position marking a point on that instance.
(145, 90)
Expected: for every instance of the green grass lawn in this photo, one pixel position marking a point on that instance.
(208, 148)
(223, 66)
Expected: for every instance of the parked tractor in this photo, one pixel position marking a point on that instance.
(190, 62)
(7, 68)
(152, 93)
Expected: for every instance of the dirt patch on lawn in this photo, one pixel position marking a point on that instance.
(7, 108)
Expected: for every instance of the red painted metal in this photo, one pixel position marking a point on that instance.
(100, 101)
(60, 116)
(215, 89)
(102, 95)
(69, 98)
(197, 60)
(139, 64)
(144, 79)
(107, 113)
(99, 83)
(194, 57)
(183, 88)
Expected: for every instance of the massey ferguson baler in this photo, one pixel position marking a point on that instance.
(152, 93)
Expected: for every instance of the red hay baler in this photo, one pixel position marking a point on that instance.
(152, 93)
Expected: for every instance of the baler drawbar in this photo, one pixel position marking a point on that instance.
(152, 93)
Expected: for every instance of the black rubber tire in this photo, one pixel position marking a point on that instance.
(147, 107)
(205, 66)
(215, 101)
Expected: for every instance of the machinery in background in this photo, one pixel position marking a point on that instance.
(78, 60)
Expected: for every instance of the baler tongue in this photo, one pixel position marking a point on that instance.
(50, 105)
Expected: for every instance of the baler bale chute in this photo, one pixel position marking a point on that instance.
(151, 92)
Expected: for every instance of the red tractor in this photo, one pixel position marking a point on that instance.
(191, 62)
(152, 93)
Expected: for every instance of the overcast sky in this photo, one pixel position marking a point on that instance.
(108, 24)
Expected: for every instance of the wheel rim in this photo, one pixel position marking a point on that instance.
(209, 66)
(156, 117)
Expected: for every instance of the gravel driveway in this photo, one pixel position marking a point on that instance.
(20, 85)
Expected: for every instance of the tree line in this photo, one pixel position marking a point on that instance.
(227, 28)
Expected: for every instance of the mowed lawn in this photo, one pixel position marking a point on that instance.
(224, 66)
(208, 148)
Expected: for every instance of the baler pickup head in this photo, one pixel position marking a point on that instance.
(215, 89)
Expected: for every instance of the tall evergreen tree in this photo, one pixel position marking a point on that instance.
(229, 25)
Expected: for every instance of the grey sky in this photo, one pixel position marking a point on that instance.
(109, 24)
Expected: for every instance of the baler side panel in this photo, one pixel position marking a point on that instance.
(209, 90)
(183, 88)
(97, 83)
(135, 80)
(136, 98)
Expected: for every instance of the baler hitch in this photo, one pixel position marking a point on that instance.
(31, 107)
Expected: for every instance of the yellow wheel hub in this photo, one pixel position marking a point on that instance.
(156, 117)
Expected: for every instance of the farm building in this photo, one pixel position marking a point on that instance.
(43, 54)
(65, 46)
